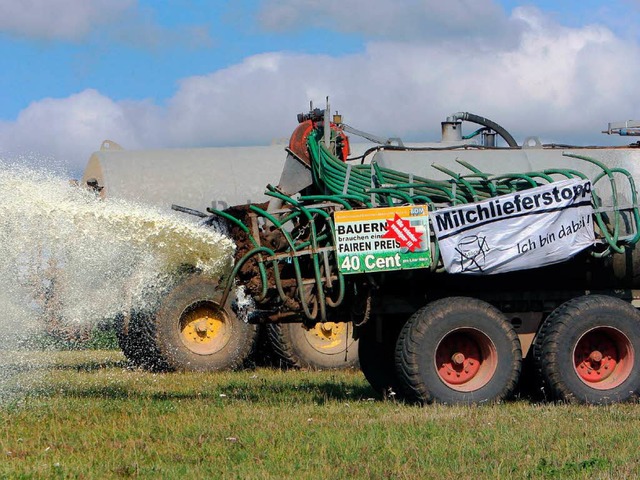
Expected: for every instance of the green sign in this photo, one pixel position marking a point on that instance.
(383, 239)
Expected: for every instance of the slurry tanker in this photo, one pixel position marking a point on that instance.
(453, 264)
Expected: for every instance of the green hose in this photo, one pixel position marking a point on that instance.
(309, 229)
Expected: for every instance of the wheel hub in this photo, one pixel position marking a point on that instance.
(595, 357)
(465, 359)
(328, 328)
(201, 327)
(205, 328)
(327, 336)
(603, 358)
(458, 359)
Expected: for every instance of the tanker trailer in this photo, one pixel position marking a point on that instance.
(453, 262)
(202, 178)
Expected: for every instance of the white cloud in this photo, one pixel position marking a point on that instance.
(141, 29)
(433, 20)
(561, 83)
(58, 19)
(254, 101)
(120, 21)
(70, 129)
(557, 82)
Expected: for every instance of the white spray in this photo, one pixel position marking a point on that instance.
(68, 256)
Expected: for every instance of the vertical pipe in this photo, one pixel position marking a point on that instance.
(327, 126)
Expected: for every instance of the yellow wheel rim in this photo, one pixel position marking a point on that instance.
(329, 337)
(205, 328)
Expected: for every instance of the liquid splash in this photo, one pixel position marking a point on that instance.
(69, 258)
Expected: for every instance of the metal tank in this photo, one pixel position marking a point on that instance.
(197, 178)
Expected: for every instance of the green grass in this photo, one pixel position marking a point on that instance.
(101, 337)
(85, 415)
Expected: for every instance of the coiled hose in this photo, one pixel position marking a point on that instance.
(367, 185)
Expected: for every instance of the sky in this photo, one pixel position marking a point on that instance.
(188, 73)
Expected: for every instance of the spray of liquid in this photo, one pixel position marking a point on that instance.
(71, 259)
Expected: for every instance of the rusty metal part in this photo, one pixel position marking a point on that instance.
(298, 141)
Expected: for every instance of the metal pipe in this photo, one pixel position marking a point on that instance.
(470, 117)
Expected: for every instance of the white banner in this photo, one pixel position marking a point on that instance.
(528, 229)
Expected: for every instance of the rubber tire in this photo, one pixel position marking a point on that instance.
(289, 342)
(538, 387)
(377, 357)
(128, 343)
(161, 330)
(564, 327)
(135, 329)
(136, 340)
(421, 335)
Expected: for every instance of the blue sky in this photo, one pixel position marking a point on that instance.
(178, 73)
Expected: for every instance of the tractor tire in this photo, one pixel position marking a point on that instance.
(188, 330)
(194, 332)
(376, 352)
(537, 385)
(134, 332)
(122, 336)
(586, 354)
(129, 343)
(135, 329)
(326, 346)
(458, 350)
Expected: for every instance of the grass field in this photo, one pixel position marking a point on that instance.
(85, 415)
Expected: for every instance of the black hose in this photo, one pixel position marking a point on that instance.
(190, 211)
(470, 117)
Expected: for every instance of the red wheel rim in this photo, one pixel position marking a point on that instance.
(603, 358)
(466, 359)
